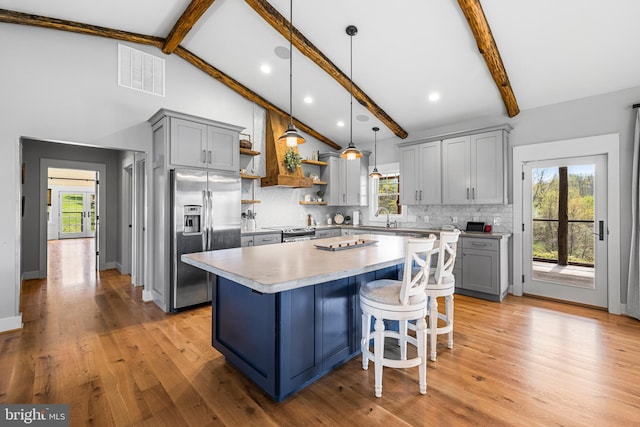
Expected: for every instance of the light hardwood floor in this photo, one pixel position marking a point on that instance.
(89, 341)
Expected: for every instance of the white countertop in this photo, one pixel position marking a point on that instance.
(282, 267)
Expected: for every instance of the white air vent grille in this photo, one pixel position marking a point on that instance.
(140, 71)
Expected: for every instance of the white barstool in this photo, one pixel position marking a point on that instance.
(400, 300)
(442, 284)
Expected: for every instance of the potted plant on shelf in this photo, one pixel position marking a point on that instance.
(292, 160)
(320, 194)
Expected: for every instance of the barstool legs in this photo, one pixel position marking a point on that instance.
(433, 327)
(379, 355)
(421, 335)
(366, 337)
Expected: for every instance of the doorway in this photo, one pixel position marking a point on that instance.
(526, 158)
(77, 200)
(564, 234)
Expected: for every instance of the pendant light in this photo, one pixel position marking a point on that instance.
(351, 153)
(375, 174)
(291, 135)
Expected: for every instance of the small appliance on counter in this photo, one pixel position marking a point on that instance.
(356, 217)
(473, 226)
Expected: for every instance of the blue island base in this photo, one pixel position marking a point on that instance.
(287, 340)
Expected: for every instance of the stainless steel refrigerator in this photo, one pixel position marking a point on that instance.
(205, 217)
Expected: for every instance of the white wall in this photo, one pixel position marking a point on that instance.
(63, 87)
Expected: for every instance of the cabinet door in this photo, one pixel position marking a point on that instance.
(266, 239)
(480, 271)
(188, 143)
(246, 241)
(336, 191)
(337, 321)
(223, 149)
(456, 166)
(352, 179)
(429, 174)
(409, 190)
(487, 168)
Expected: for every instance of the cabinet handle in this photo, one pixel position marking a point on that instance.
(420, 195)
(479, 244)
(204, 156)
(416, 198)
(467, 193)
(344, 197)
(473, 193)
(209, 156)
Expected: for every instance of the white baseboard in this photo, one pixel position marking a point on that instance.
(109, 265)
(11, 323)
(147, 296)
(28, 275)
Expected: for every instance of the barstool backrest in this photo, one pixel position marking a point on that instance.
(418, 254)
(446, 255)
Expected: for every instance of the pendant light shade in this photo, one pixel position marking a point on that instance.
(351, 153)
(375, 174)
(292, 136)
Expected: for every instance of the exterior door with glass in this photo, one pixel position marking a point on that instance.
(565, 229)
(77, 214)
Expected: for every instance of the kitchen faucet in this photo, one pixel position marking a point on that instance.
(380, 210)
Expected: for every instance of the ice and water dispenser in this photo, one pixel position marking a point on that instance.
(192, 219)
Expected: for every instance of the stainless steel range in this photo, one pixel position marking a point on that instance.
(295, 234)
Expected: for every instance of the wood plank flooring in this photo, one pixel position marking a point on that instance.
(89, 341)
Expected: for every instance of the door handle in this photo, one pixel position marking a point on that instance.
(600, 232)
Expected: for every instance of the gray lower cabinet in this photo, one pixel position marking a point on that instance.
(260, 239)
(484, 268)
(324, 234)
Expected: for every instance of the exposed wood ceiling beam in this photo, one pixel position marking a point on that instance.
(472, 10)
(281, 24)
(189, 17)
(246, 92)
(12, 17)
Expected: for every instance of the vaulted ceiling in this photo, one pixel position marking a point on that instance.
(482, 57)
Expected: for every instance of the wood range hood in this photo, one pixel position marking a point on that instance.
(276, 172)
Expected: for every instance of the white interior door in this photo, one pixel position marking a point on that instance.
(565, 248)
(77, 215)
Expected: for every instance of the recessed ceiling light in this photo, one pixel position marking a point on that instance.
(308, 99)
(265, 68)
(434, 96)
(340, 123)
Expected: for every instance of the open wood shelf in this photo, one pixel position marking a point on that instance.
(320, 182)
(313, 203)
(315, 162)
(245, 176)
(249, 202)
(249, 152)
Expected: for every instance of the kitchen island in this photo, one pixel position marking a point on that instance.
(285, 315)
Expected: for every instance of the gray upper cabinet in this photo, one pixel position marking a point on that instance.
(347, 180)
(474, 169)
(200, 143)
(455, 169)
(421, 174)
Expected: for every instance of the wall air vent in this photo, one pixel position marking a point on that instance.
(140, 71)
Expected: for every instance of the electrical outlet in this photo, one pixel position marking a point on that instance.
(426, 218)
(454, 219)
(496, 220)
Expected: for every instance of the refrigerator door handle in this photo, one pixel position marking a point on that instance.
(204, 221)
(210, 221)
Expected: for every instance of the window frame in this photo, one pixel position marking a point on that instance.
(384, 169)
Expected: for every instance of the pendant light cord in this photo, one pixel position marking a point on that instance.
(291, 63)
(351, 93)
